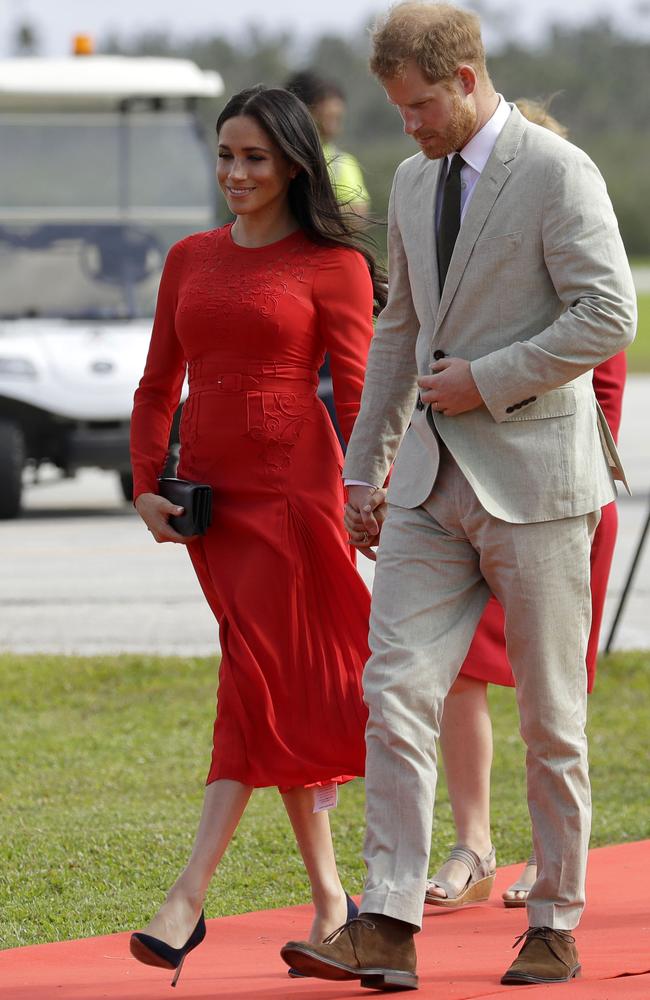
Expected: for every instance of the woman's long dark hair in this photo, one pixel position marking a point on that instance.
(288, 123)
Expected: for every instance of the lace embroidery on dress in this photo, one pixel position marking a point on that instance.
(276, 420)
(223, 286)
(227, 288)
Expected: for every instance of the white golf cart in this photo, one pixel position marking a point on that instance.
(104, 165)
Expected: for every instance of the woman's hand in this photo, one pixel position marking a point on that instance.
(155, 511)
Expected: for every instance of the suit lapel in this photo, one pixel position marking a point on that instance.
(426, 223)
(486, 192)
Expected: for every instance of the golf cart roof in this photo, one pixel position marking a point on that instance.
(101, 81)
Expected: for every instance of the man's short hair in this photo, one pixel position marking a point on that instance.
(438, 37)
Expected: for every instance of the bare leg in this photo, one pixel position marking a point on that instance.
(466, 742)
(518, 891)
(314, 838)
(223, 805)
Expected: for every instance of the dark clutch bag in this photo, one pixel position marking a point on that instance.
(195, 498)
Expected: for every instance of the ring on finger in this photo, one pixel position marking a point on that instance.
(366, 537)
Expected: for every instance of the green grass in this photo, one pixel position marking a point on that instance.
(638, 354)
(103, 762)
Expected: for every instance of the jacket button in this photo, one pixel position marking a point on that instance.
(510, 409)
(419, 405)
(438, 355)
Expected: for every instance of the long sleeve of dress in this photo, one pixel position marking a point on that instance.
(344, 298)
(159, 391)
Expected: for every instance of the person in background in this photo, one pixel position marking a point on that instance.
(326, 102)
(466, 730)
(248, 311)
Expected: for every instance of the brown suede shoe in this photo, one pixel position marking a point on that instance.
(374, 948)
(548, 956)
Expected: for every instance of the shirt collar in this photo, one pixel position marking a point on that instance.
(477, 151)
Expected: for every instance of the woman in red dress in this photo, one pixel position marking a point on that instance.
(466, 730)
(248, 311)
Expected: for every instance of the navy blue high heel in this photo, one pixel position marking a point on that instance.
(152, 951)
(353, 911)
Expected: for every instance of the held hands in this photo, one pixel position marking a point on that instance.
(451, 388)
(155, 511)
(365, 512)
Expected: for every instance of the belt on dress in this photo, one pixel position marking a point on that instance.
(260, 377)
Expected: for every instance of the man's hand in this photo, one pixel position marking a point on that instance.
(451, 388)
(365, 512)
(155, 511)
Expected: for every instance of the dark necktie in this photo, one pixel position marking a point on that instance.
(449, 217)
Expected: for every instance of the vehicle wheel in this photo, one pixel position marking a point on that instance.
(172, 461)
(126, 482)
(12, 462)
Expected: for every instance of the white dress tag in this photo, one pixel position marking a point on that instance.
(326, 797)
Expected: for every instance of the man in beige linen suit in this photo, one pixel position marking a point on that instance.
(480, 374)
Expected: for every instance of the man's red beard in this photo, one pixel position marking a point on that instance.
(460, 127)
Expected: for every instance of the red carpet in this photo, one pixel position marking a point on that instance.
(461, 954)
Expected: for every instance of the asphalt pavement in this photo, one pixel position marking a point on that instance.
(80, 573)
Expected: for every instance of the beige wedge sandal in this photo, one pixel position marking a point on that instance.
(478, 886)
(519, 886)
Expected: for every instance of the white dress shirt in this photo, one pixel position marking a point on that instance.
(476, 154)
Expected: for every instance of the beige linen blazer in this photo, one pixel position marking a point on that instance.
(538, 293)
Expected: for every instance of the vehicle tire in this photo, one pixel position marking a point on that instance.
(126, 478)
(126, 482)
(12, 462)
(172, 461)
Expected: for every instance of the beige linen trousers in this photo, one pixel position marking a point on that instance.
(502, 499)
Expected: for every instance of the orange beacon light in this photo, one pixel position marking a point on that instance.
(82, 45)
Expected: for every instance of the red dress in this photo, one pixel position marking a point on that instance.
(252, 326)
(487, 659)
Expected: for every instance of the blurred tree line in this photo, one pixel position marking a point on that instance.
(599, 80)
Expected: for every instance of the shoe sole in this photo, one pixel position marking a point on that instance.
(389, 980)
(386, 980)
(525, 979)
(514, 904)
(147, 957)
(477, 892)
